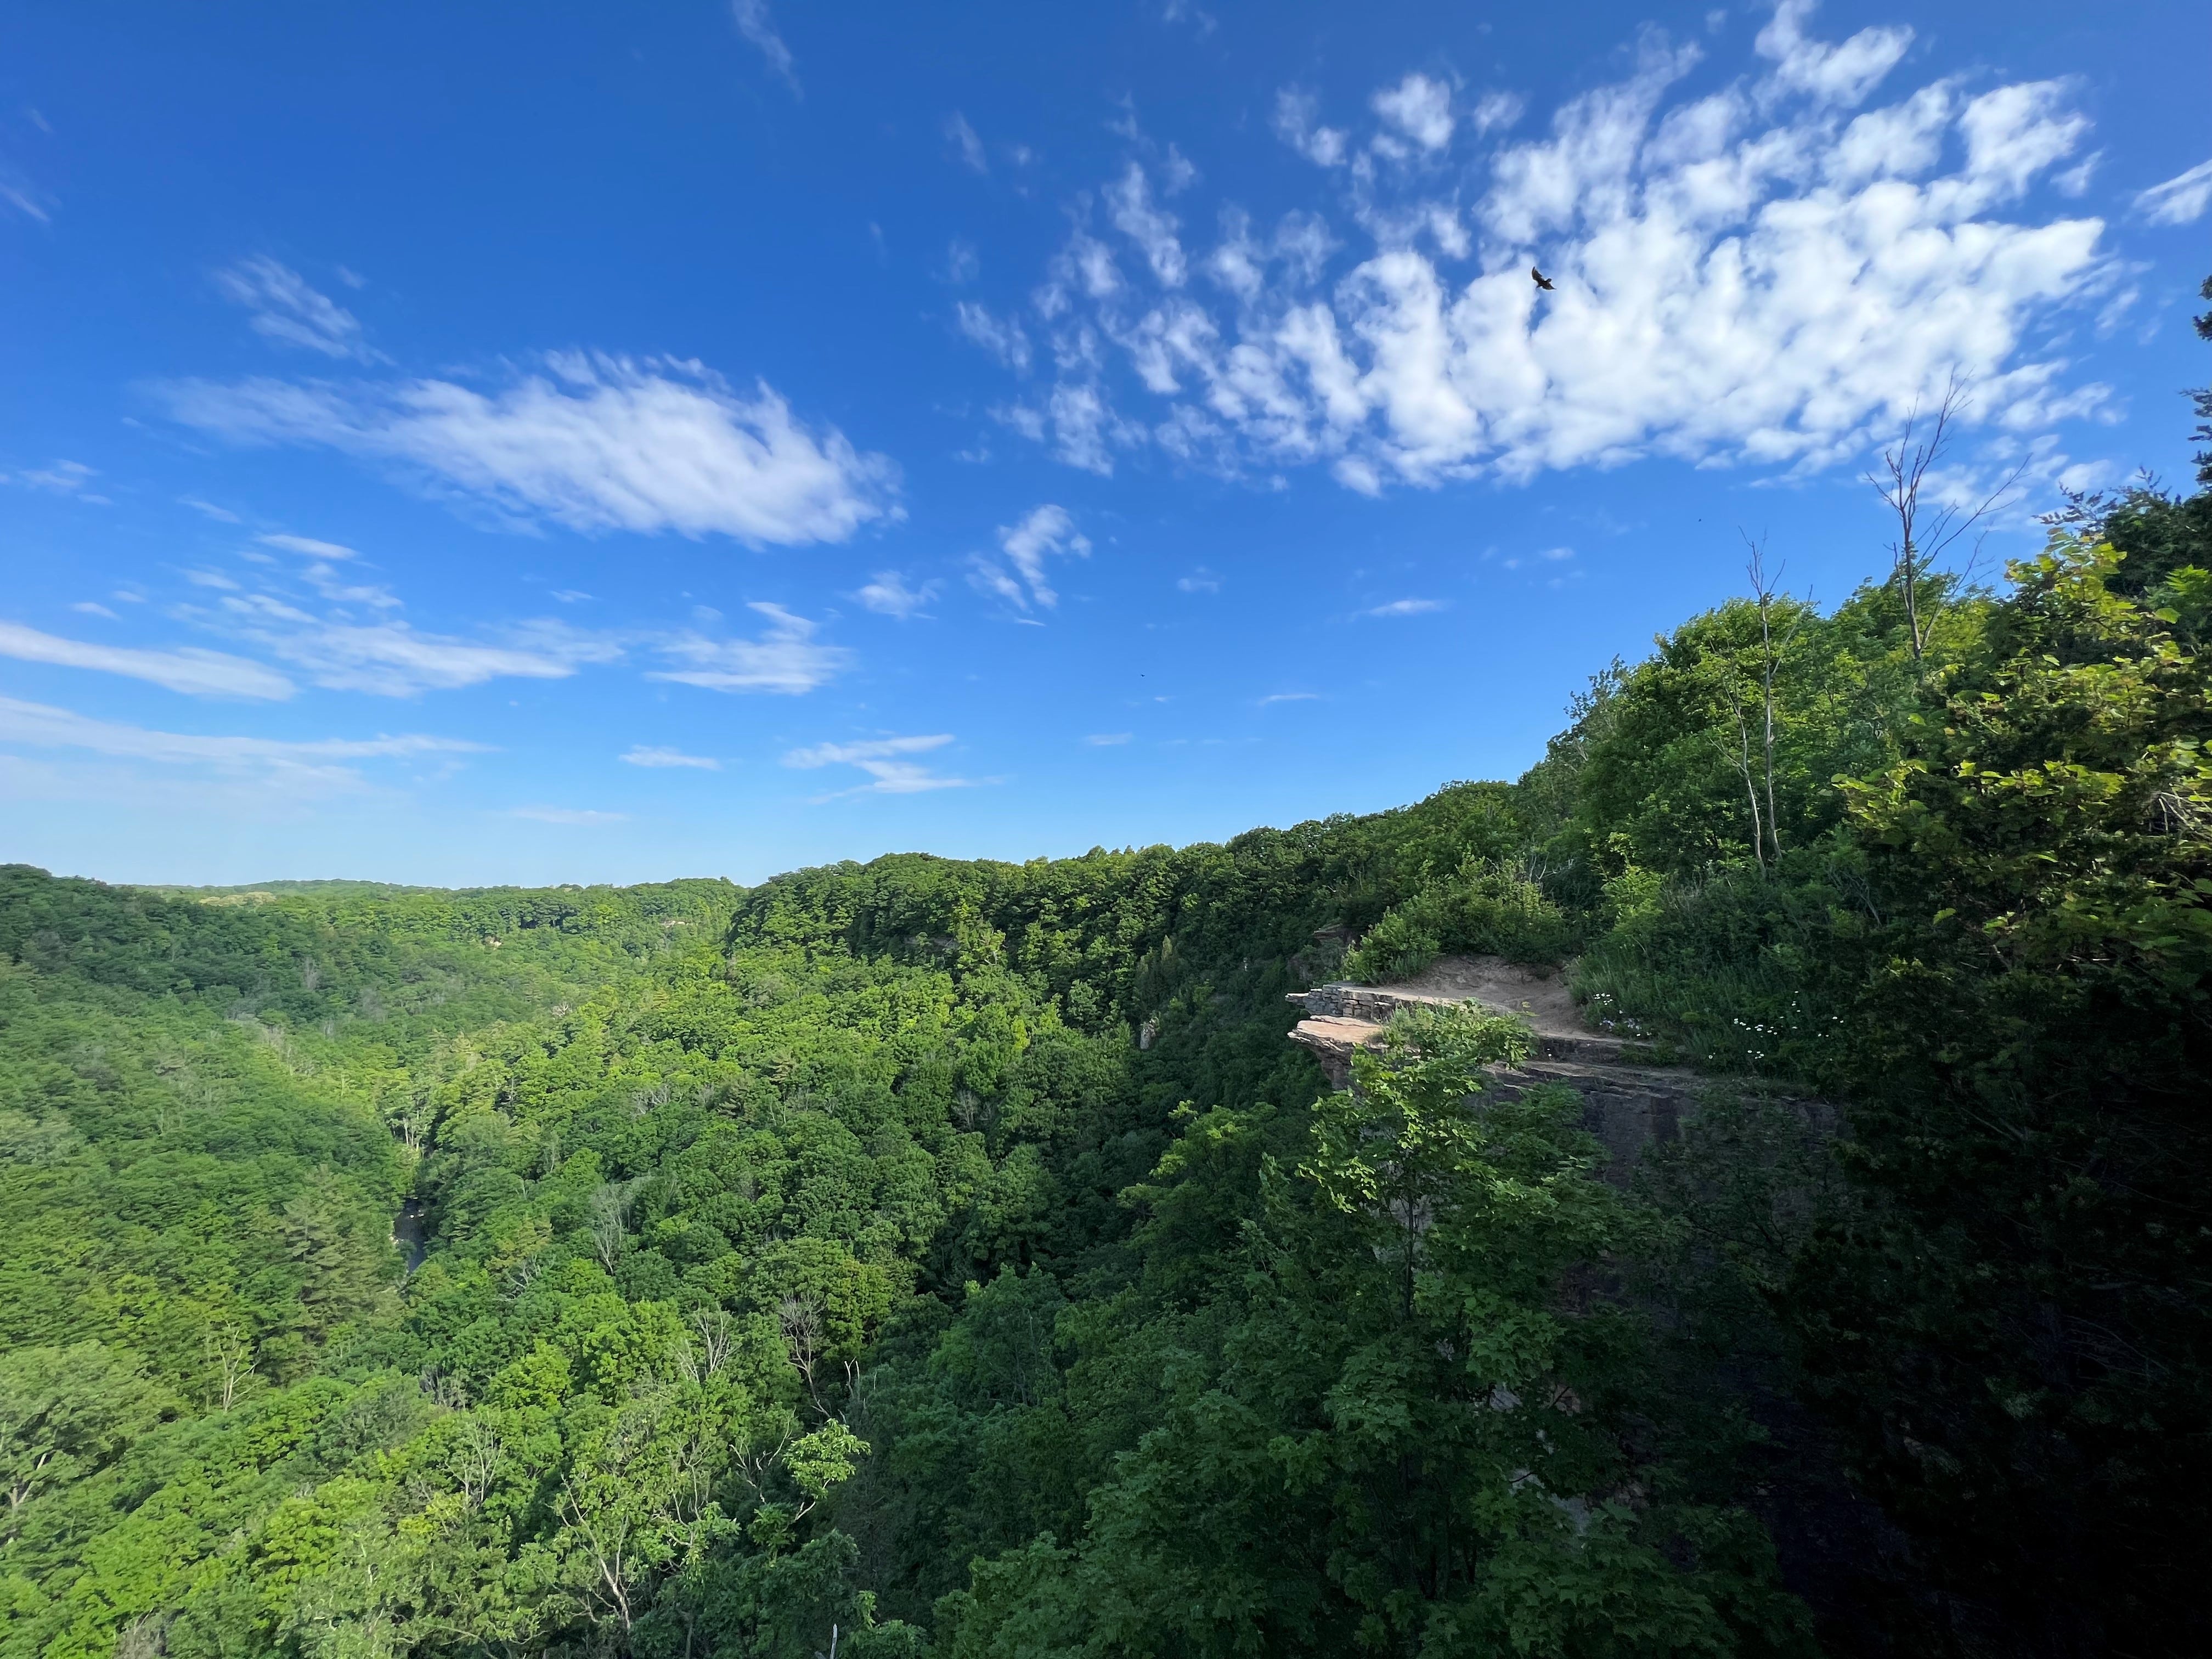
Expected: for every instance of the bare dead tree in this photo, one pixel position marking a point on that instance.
(755, 1458)
(609, 1219)
(801, 1319)
(713, 1326)
(229, 1352)
(144, 1638)
(475, 1460)
(1763, 589)
(1928, 529)
(1750, 789)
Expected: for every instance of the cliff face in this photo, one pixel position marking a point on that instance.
(1627, 1106)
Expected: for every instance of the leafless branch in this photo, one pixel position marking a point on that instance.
(1926, 531)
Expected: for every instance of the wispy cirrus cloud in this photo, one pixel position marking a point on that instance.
(2181, 200)
(309, 545)
(1001, 336)
(1765, 274)
(785, 659)
(61, 478)
(885, 760)
(187, 669)
(1044, 533)
(18, 192)
(341, 634)
(391, 659)
(315, 763)
(890, 595)
(657, 759)
(754, 22)
(1404, 608)
(285, 308)
(593, 442)
(966, 143)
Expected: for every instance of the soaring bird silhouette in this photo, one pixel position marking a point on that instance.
(1542, 281)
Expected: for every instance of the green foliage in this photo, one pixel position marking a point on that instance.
(956, 1256)
(1402, 1426)
(1485, 907)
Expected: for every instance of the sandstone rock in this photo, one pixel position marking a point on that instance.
(1628, 1107)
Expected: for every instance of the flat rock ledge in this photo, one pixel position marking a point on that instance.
(1627, 1106)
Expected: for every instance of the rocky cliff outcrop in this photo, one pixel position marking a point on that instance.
(1627, 1105)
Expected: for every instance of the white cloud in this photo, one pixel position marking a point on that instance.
(1200, 581)
(965, 142)
(1769, 274)
(286, 309)
(757, 26)
(1152, 229)
(1084, 427)
(21, 194)
(350, 646)
(595, 443)
(785, 659)
(93, 608)
(883, 760)
(1047, 531)
(1495, 111)
(196, 673)
(2181, 200)
(1296, 126)
(1002, 338)
(63, 478)
(219, 515)
(985, 576)
(1843, 74)
(1419, 108)
(1108, 739)
(1404, 608)
(309, 545)
(391, 660)
(962, 264)
(325, 579)
(566, 815)
(849, 754)
(291, 764)
(1290, 696)
(649, 756)
(1555, 554)
(888, 595)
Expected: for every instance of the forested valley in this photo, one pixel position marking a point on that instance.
(930, 1257)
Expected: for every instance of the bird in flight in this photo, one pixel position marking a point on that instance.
(1542, 281)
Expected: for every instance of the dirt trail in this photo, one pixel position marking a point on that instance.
(1541, 999)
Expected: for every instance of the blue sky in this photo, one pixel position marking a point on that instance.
(572, 443)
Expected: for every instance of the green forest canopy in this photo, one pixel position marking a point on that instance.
(956, 1255)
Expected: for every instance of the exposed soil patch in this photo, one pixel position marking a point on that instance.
(1540, 998)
